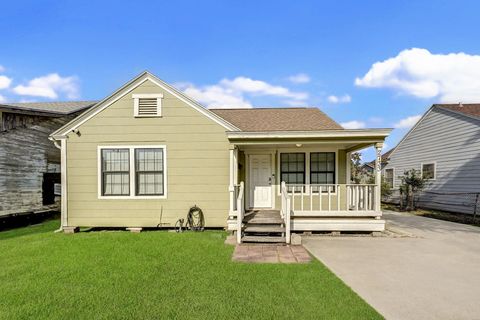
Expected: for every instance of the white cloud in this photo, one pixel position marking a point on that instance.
(299, 78)
(407, 122)
(2, 99)
(450, 77)
(354, 124)
(233, 93)
(339, 99)
(50, 86)
(2, 68)
(5, 82)
(216, 96)
(243, 84)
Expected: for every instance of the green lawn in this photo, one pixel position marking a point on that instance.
(157, 274)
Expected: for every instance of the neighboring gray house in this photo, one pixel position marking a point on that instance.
(29, 162)
(444, 146)
(369, 167)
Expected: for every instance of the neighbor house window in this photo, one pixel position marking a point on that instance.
(389, 177)
(115, 172)
(147, 105)
(132, 172)
(149, 171)
(428, 171)
(292, 168)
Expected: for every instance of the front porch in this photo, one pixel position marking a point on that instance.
(306, 181)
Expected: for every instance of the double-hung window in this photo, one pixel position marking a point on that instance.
(149, 172)
(322, 170)
(292, 169)
(115, 172)
(131, 172)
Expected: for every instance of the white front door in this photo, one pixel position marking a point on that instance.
(260, 181)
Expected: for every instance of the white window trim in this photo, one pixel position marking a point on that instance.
(136, 97)
(307, 166)
(132, 171)
(434, 170)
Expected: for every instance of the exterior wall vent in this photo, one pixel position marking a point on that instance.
(147, 105)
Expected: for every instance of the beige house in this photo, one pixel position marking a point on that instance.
(147, 153)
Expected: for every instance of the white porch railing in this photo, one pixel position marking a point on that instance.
(240, 209)
(333, 199)
(361, 197)
(286, 210)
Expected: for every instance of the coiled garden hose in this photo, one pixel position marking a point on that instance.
(195, 220)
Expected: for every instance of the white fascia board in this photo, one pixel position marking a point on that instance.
(341, 133)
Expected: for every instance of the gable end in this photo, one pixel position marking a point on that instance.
(126, 89)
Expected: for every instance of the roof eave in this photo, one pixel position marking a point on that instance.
(340, 133)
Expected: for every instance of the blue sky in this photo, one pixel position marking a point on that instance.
(251, 53)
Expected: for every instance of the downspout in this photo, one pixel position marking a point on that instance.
(55, 142)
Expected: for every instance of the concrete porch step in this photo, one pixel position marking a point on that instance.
(264, 221)
(263, 239)
(264, 228)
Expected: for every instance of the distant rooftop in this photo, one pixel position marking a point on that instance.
(471, 109)
(278, 119)
(54, 108)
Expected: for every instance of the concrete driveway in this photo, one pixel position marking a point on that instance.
(433, 274)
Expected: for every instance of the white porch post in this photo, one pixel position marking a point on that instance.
(348, 166)
(378, 175)
(233, 177)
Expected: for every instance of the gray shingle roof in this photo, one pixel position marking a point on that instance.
(55, 108)
(278, 119)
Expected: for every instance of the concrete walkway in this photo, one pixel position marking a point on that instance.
(434, 274)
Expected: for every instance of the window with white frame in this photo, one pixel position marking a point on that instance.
(147, 105)
(115, 172)
(132, 171)
(389, 177)
(149, 172)
(428, 171)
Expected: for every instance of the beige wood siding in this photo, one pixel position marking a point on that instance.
(197, 165)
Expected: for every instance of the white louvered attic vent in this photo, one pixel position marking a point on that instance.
(147, 105)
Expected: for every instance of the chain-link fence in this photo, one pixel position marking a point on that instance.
(460, 202)
(464, 202)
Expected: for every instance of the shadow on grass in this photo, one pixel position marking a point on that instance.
(46, 226)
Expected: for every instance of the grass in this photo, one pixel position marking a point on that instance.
(158, 274)
(440, 215)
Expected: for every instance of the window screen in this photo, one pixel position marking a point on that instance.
(149, 172)
(115, 172)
